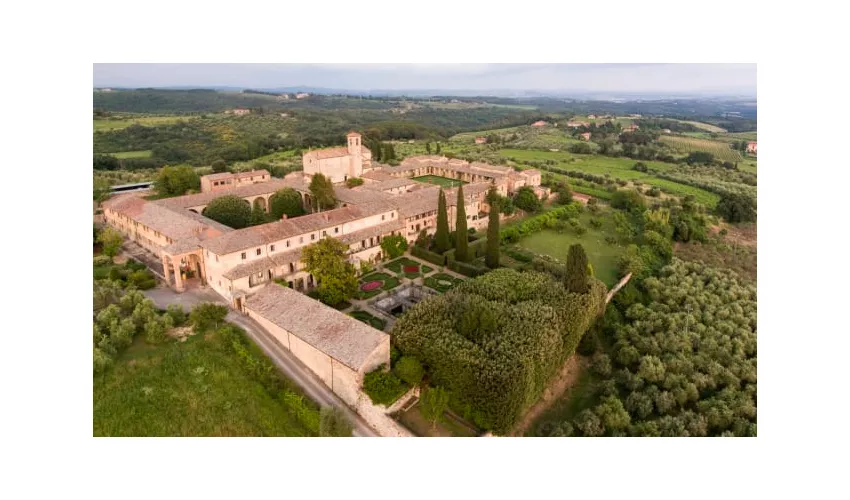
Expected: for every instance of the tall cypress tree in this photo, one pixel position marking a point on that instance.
(492, 257)
(461, 235)
(576, 279)
(438, 148)
(441, 239)
(428, 147)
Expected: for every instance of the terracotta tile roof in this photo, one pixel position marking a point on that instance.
(371, 232)
(377, 174)
(390, 184)
(345, 339)
(271, 261)
(174, 224)
(194, 200)
(322, 154)
(254, 236)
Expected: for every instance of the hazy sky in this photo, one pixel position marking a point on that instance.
(690, 78)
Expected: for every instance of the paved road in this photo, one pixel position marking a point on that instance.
(290, 366)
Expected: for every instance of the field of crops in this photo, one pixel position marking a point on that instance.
(719, 149)
(705, 126)
(133, 154)
(148, 121)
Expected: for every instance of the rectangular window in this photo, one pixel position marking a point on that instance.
(259, 251)
(244, 256)
(336, 230)
(272, 248)
(383, 217)
(313, 236)
(287, 243)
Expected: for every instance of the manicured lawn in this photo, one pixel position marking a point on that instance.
(195, 388)
(133, 154)
(447, 426)
(411, 268)
(369, 319)
(387, 283)
(603, 257)
(439, 181)
(442, 282)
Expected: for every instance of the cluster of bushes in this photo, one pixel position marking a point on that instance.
(130, 274)
(467, 269)
(427, 255)
(738, 193)
(206, 317)
(548, 220)
(682, 359)
(495, 341)
(120, 315)
(383, 387)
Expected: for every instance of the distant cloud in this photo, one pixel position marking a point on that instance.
(671, 78)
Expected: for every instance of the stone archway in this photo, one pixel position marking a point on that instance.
(260, 204)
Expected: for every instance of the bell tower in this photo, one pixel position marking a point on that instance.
(355, 155)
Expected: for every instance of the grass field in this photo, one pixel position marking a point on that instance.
(719, 149)
(194, 388)
(615, 167)
(148, 121)
(704, 126)
(439, 181)
(133, 154)
(602, 256)
(746, 136)
(447, 426)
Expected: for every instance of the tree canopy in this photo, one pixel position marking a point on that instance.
(525, 199)
(394, 246)
(442, 242)
(461, 234)
(326, 261)
(577, 278)
(323, 193)
(176, 181)
(285, 201)
(493, 240)
(230, 210)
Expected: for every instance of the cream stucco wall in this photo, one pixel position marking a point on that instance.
(151, 240)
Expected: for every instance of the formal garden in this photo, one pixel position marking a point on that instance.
(442, 282)
(369, 319)
(374, 283)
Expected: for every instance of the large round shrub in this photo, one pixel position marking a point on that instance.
(232, 211)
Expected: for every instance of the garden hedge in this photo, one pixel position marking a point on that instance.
(496, 341)
(427, 255)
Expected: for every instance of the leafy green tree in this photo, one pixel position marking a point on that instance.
(176, 181)
(493, 242)
(394, 246)
(433, 403)
(564, 193)
(628, 199)
(219, 166)
(178, 315)
(326, 261)
(735, 207)
(577, 279)
(322, 191)
(439, 150)
(111, 241)
(285, 201)
(428, 148)
(461, 233)
(333, 422)
(258, 216)
(101, 361)
(230, 210)
(206, 316)
(612, 414)
(100, 189)
(441, 239)
(409, 370)
(525, 199)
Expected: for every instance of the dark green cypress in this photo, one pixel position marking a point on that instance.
(492, 257)
(576, 279)
(441, 239)
(461, 234)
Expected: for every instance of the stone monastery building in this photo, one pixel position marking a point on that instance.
(241, 264)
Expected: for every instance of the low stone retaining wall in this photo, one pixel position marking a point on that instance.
(378, 416)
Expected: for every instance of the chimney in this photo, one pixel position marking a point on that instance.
(327, 217)
(284, 217)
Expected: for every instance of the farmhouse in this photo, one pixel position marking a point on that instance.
(577, 124)
(630, 128)
(302, 95)
(539, 123)
(238, 111)
(585, 136)
(480, 140)
(751, 147)
(227, 180)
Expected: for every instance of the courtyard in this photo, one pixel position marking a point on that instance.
(439, 181)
